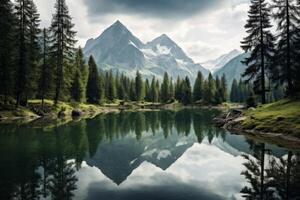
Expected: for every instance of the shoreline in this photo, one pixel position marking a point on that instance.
(66, 112)
(234, 122)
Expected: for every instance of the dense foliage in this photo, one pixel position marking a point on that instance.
(45, 64)
(274, 56)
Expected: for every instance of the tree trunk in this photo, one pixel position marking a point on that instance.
(263, 88)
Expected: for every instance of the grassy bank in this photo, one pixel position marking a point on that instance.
(65, 112)
(279, 117)
(50, 112)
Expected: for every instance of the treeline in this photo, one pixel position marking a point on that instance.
(109, 87)
(274, 56)
(44, 64)
(36, 63)
(242, 92)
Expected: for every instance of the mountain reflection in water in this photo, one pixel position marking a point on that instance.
(143, 155)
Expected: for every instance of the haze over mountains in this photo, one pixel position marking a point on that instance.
(119, 50)
(216, 64)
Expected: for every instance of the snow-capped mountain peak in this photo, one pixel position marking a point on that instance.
(216, 64)
(119, 50)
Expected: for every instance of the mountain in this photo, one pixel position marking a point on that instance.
(119, 50)
(218, 63)
(233, 69)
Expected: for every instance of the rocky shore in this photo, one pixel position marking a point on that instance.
(234, 121)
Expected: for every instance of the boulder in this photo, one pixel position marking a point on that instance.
(280, 118)
(61, 114)
(76, 113)
(251, 109)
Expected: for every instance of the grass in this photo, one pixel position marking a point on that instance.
(279, 117)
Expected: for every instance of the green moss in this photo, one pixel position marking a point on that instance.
(279, 117)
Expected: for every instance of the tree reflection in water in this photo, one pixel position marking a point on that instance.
(270, 177)
(42, 162)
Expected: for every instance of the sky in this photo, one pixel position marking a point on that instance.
(204, 29)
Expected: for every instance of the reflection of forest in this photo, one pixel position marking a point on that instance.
(42, 162)
(36, 162)
(270, 177)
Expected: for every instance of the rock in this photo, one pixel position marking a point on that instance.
(280, 118)
(219, 121)
(251, 109)
(61, 114)
(76, 113)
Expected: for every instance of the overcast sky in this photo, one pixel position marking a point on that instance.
(205, 29)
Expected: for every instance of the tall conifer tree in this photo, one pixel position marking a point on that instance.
(45, 81)
(27, 47)
(165, 89)
(7, 52)
(198, 88)
(63, 41)
(288, 18)
(139, 87)
(260, 44)
(94, 92)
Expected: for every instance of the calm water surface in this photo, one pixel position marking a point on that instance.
(157, 155)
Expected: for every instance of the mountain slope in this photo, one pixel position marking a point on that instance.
(119, 50)
(218, 63)
(233, 69)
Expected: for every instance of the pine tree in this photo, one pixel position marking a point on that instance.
(62, 46)
(94, 91)
(198, 88)
(121, 89)
(139, 87)
(210, 90)
(154, 91)
(288, 18)
(260, 44)
(7, 52)
(186, 91)
(158, 90)
(27, 35)
(178, 89)
(224, 88)
(165, 93)
(234, 91)
(171, 90)
(79, 82)
(77, 89)
(111, 87)
(83, 68)
(34, 51)
(147, 91)
(45, 81)
(242, 93)
(132, 95)
(218, 95)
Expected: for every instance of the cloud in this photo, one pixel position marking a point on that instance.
(205, 29)
(153, 8)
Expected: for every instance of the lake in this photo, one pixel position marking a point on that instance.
(153, 155)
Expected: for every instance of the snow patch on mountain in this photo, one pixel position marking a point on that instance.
(216, 64)
(119, 50)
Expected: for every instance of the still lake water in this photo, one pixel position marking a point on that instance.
(157, 155)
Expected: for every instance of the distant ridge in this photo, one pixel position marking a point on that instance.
(233, 69)
(216, 64)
